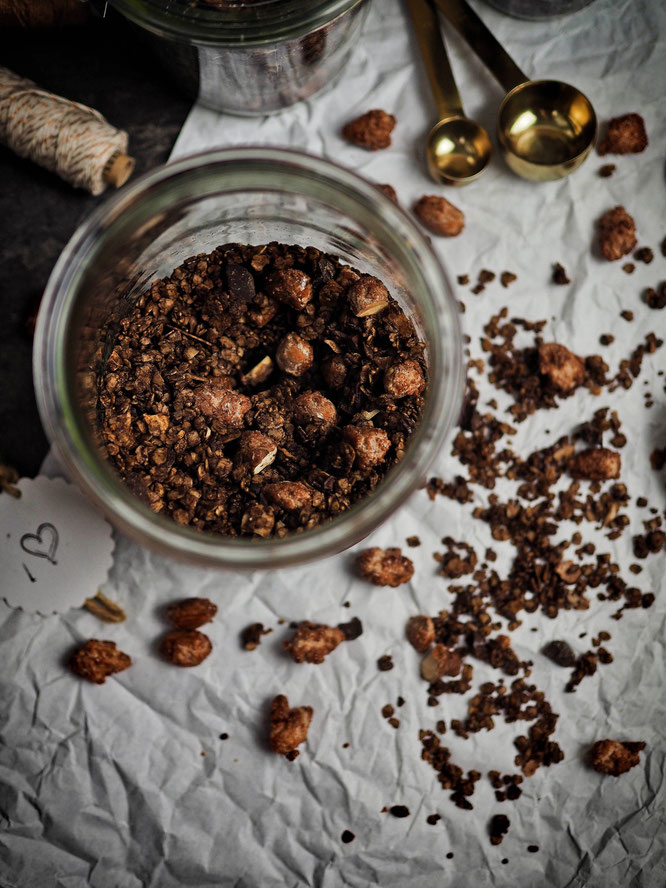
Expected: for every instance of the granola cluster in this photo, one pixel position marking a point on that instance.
(259, 391)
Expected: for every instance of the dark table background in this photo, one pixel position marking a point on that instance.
(101, 64)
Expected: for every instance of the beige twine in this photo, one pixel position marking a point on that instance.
(69, 139)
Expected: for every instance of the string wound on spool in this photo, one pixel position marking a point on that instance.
(68, 138)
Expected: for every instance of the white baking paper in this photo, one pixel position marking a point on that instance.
(107, 786)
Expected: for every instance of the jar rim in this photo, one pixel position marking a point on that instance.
(262, 23)
(58, 408)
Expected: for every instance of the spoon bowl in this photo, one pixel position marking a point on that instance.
(458, 150)
(545, 129)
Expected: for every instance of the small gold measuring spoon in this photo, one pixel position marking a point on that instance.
(457, 148)
(545, 128)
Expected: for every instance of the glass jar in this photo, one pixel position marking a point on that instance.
(249, 57)
(538, 10)
(248, 195)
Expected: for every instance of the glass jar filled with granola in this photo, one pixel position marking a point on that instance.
(249, 357)
(249, 57)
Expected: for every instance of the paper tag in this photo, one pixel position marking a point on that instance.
(55, 549)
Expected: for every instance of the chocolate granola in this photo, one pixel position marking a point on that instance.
(260, 390)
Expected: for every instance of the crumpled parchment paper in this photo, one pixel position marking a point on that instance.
(129, 784)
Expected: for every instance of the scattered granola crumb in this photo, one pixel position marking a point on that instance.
(413, 541)
(607, 170)
(385, 663)
(371, 130)
(644, 254)
(628, 268)
(625, 135)
(96, 660)
(559, 275)
(617, 234)
(498, 828)
(560, 652)
(385, 567)
(352, 629)
(627, 315)
(656, 298)
(251, 636)
(440, 216)
(507, 277)
(433, 819)
(606, 339)
(288, 727)
(399, 810)
(463, 279)
(615, 757)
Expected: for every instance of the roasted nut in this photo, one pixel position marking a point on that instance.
(439, 216)
(334, 371)
(186, 647)
(560, 653)
(259, 373)
(440, 661)
(157, 423)
(370, 445)
(617, 234)
(226, 407)
(615, 757)
(596, 464)
(385, 567)
(420, 633)
(313, 641)
(294, 355)
(96, 660)
(288, 727)
(240, 282)
(371, 130)
(258, 520)
(256, 450)
(190, 613)
(314, 407)
(291, 286)
(404, 379)
(288, 495)
(625, 135)
(367, 296)
(568, 571)
(565, 370)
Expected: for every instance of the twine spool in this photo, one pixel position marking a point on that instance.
(69, 139)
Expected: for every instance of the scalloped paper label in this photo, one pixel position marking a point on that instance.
(55, 549)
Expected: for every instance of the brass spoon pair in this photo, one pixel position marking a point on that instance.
(545, 128)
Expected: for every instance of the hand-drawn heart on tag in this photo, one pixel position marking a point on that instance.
(43, 544)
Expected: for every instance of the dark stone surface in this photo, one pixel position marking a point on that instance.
(102, 65)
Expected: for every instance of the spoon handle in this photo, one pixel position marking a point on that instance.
(435, 56)
(485, 45)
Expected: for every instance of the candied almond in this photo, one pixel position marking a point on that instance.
(291, 286)
(217, 402)
(190, 613)
(367, 296)
(596, 464)
(96, 660)
(625, 135)
(370, 445)
(560, 652)
(288, 495)
(186, 647)
(257, 450)
(294, 355)
(615, 757)
(564, 369)
(405, 378)
(440, 661)
(385, 567)
(617, 234)
(314, 407)
(420, 632)
(439, 215)
(313, 641)
(371, 130)
(288, 727)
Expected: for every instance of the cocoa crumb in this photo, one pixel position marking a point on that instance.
(347, 836)
(644, 254)
(385, 663)
(498, 828)
(399, 811)
(559, 275)
(615, 757)
(413, 542)
(606, 339)
(463, 279)
(251, 636)
(433, 819)
(371, 130)
(627, 315)
(656, 298)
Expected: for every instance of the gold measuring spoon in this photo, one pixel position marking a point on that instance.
(457, 148)
(545, 128)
